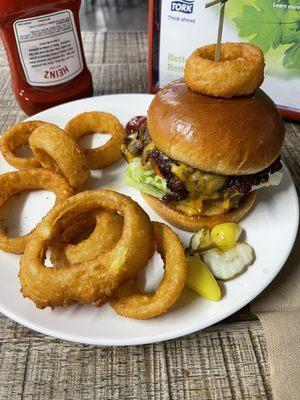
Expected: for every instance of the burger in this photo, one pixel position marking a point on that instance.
(198, 160)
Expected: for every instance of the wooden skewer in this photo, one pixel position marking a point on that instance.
(213, 3)
(220, 28)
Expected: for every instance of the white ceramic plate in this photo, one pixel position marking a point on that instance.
(270, 228)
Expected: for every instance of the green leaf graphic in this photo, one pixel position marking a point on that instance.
(292, 56)
(267, 25)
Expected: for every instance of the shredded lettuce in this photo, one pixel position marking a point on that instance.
(145, 179)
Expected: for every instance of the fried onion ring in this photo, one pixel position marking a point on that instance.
(131, 303)
(103, 229)
(239, 72)
(16, 137)
(92, 281)
(13, 183)
(98, 122)
(58, 152)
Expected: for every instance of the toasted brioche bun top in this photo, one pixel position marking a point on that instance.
(237, 136)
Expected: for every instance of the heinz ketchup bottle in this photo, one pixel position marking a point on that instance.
(44, 48)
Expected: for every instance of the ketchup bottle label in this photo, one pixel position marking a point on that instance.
(49, 48)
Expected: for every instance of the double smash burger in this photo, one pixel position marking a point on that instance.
(198, 160)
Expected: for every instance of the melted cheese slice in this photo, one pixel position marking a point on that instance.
(211, 205)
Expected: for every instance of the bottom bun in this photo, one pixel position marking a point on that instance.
(194, 223)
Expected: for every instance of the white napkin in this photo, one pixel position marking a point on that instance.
(278, 309)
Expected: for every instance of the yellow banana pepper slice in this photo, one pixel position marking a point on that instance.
(200, 279)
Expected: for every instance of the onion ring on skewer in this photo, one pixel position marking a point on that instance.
(93, 281)
(104, 229)
(98, 122)
(15, 137)
(16, 182)
(57, 151)
(131, 303)
(239, 72)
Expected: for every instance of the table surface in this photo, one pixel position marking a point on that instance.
(225, 361)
